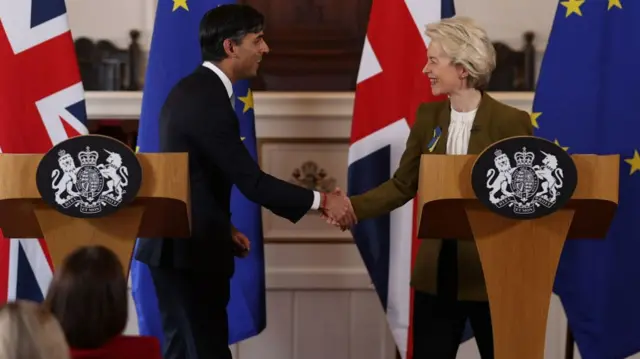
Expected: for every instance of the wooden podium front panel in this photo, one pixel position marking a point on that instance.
(64, 234)
(519, 261)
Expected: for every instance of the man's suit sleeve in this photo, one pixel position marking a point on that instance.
(403, 186)
(214, 129)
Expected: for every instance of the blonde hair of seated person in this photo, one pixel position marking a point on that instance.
(28, 331)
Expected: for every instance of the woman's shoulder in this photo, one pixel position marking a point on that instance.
(504, 111)
(432, 107)
(510, 120)
(429, 113)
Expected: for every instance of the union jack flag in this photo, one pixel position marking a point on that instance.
(41, 104)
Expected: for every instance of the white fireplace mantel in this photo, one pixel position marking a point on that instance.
(302, 115)
(126, 105)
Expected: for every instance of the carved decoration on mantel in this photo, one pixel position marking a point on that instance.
(309, 175)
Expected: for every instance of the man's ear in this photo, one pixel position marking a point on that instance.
(229, 47)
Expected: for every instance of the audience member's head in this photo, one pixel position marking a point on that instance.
(88, 295)
(28, 331)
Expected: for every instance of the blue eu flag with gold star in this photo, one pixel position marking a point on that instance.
(587, 101)
(174, 53)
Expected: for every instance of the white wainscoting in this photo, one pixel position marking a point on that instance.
(320, 305)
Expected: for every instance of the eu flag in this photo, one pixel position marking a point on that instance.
(174, 53)
(587, 101)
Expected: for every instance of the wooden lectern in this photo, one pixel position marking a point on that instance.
(161, 208)
(519, 257)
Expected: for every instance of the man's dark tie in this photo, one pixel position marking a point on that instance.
(233, 101)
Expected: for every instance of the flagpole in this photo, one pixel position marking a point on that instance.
(568, 350)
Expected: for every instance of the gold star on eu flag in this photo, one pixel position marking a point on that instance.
(634, 162)
(180, 3)
(573, 7)
(534, 119)
(558, 144)
(615, 3)
(247, 101)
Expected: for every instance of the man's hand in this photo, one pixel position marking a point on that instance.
(338, 210)
(241, 242)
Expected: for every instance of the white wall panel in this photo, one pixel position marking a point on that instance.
(320, 305)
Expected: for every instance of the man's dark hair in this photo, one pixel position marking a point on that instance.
(230, 21)
(88, 296)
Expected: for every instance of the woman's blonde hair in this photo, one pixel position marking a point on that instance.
(28, 331)
(468, 45)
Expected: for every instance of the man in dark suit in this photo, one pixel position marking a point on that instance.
(191, 276)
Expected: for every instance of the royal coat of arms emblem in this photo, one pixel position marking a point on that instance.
(87, 182)
(90, 186)
(529, 180)
(525, 186)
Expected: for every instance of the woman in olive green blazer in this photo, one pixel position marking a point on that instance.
(447, 276)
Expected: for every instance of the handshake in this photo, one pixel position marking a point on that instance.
(337, 210)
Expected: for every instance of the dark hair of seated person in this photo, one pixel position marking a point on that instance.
(88, 296)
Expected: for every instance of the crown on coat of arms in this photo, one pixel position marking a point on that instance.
(64, 156)
(500, 156)
(88, 158)
(524, 158)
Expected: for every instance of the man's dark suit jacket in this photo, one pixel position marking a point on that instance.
(197, 118)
